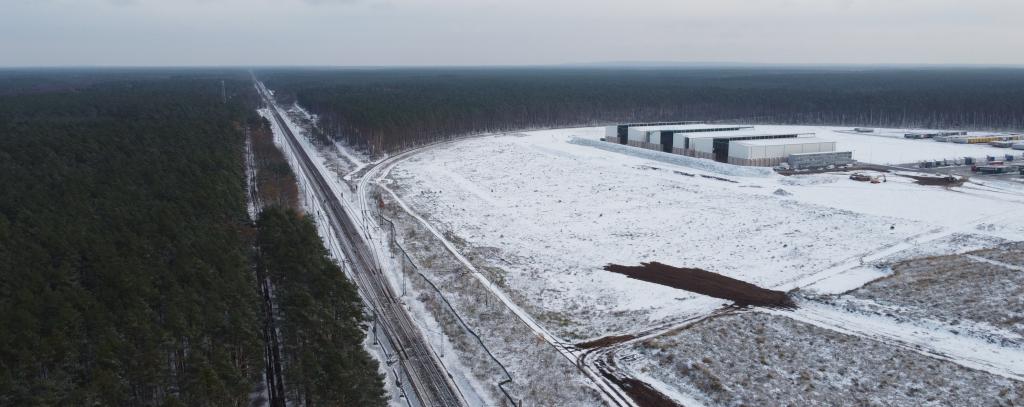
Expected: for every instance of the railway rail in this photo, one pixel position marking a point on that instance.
(420, 373)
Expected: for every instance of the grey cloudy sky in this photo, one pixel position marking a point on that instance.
(519, 32)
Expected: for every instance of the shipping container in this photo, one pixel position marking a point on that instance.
(975, 139)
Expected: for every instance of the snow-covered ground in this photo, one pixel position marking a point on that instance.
(538, 373)
(754, 358)
(557, 212)
(540, 216)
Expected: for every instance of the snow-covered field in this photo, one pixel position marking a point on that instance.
(760, 359)
(539, 216)
(971, 294)
(552, 214)
(537, 372)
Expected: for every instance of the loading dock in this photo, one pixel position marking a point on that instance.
(666, 141)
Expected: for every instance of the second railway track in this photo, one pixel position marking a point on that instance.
(423, 377)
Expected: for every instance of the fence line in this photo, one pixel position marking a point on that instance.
(393, 240)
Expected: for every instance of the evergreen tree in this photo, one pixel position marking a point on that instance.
(319, 316)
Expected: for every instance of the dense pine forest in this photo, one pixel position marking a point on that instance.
(131, 272)
(324, 362)
(274, 183)
(385, 110)
(127, 257)
(313, 318)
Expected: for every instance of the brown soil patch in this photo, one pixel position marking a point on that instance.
(642, 393)
(706, 283)
(605, 341)
(947, 181)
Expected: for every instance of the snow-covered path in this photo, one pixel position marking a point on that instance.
(996, 262)
(966, 351)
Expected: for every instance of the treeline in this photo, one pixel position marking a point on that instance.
(318, 313)
(126, 255)
(313, 317)
(392, 109)
(274, 181)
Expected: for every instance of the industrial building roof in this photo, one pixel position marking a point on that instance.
(675, 127)
(784, 141)
(741, 133)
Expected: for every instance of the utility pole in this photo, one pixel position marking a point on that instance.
(223, 93)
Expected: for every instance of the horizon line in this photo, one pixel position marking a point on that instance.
(604, 64)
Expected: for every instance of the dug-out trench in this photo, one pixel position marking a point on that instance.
(705, 282)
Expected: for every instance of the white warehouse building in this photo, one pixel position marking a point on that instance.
(669, 137)
(619, 133)
(716, 146)
(771, 152)
(733, 144)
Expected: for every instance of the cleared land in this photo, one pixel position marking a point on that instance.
(963, 293)
(541, 217)
(754, 358)
(487, 338)
(1011, 254)
(547, 215)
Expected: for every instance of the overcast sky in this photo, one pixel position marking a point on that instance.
(510, 32)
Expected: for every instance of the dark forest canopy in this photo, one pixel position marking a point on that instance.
(127, 256)
(393, 109)
(324, 362)
(125, 276)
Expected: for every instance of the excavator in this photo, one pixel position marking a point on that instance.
(874, 179)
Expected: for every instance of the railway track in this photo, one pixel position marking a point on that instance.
(381, 299)
(420, 373)
(611, 391)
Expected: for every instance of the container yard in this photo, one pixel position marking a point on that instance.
(932, 135)
(993, 138)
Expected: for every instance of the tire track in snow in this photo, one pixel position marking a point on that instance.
(965, 351)
(995, 262)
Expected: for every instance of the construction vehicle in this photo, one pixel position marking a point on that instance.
(874, 179)
(993, 169)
